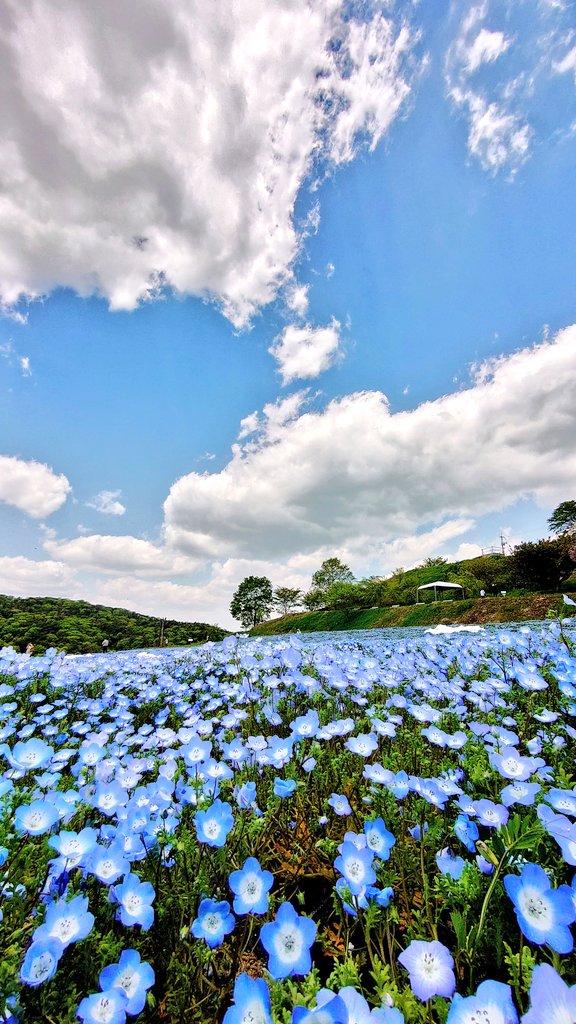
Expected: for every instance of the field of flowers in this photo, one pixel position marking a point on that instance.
(264, 831)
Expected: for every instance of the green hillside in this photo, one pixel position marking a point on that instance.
(78, 627)
(466, 612)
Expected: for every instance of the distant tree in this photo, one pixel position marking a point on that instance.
(286, 598)
(542, 564)
(252, 600)
(563, 518)
(432, 563)
(314, 600)
(330, 572)
(345, 596)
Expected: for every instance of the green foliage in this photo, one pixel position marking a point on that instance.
(542, 564)
(330, 572)
(563, 518)
(286, 598)
(78, 627)
(252, 600)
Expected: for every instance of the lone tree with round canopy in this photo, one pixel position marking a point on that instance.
(330, 572)
(252, 600)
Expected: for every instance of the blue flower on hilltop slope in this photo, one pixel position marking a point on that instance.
(134, 898)
(251, 1002)
(41, 961)
(551, 999)
(66, 921)
(132, 976)
(250, 886)
(109, 1006)
(430, 967)
(214, 824)
(214, 922)
(544, 914)
(492, 1004)
(288, 940)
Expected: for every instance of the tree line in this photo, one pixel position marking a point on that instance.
(78, 627)
(542, 565)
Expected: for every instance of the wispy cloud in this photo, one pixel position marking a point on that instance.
(107, 503)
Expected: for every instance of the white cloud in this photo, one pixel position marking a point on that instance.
(497, 137)
(164, 145)
(9, 354)
(107, 503)
(355, 470)
(118, 555)
(297, 299)
(31, 486)
(567, 64)
(24, 577)
(305, 352)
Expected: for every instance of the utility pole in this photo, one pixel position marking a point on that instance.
(162, 626)
(502, 543)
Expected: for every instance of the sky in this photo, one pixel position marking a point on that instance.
(280, 281)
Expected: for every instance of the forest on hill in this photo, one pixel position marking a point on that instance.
(78, 627)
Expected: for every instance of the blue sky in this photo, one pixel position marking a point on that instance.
(280, 282)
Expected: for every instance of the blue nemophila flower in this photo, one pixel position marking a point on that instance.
(331, 1011)
(523, 793)
(466, 831)
(41, 961)
(288, 940)
(512, 765)
(28, 755)
(449, 864)
(492, 1004)
(108, 863)
(135, 900)
(355, 866)
(35, 818)
(544, 914)
(251, 1002)
(490, 814)
(364, 744)
(132, 976)
(284, 787)
(250, 886)
(103, 1008)
(378, 838)
(430, 967)
(213, 923)
(66, 921)
(340, 805)
(214, 824)
(73, 847)
(551, 1000)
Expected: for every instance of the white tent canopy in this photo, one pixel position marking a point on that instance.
(439, 584)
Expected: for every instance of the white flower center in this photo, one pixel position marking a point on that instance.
(536, 908)
(288, 944)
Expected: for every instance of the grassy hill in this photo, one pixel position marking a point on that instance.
(465, 612)
(78, 627)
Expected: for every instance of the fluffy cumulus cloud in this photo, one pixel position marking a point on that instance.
(117, 555)
(147, 145)
(25, 577)
(356, 470)
(31, 486)
(108, 503)
(305, 352)
(499, 70)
